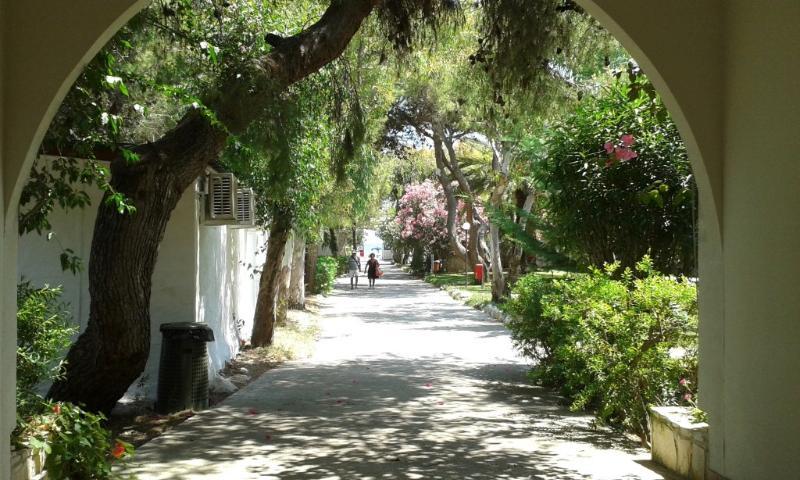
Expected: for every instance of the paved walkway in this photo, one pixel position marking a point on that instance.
(406, 383)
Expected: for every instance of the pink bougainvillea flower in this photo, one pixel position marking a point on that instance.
(624, 154)
(683, 382)
(627, 140)
(57, 409)
(118, 451)
(609, 147)
(687, 397)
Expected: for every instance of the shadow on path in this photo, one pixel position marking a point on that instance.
(405, 384)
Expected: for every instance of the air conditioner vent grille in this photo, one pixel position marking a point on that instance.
(245, 207)
(222, 188)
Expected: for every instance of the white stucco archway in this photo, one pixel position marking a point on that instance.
(729, 71)
(44, 45)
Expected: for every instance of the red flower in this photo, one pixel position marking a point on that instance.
(57, 409)
(118, 451)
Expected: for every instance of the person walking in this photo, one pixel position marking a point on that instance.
(353, 266)
(373, 269)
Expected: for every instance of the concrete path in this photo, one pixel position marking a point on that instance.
(406, 383)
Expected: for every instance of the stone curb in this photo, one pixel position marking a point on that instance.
(490, 309)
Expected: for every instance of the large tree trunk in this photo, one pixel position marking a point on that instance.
(285, 280)
(113, 350)
(501, 162)
(297, 284)
(452, 203)
(334, 243)
(517, 255)
(474, 245)
(312, 254)
(269, 285)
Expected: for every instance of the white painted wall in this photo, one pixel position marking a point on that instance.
(227, 289)
(201, 275)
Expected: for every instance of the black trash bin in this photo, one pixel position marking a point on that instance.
(183, 371)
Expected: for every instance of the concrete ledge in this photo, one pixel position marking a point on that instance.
(27, 465)
(679, 444)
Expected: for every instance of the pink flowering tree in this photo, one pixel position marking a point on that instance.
(422, 218)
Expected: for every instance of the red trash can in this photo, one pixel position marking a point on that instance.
(478, 271)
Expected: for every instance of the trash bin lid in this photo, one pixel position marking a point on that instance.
(195, 329)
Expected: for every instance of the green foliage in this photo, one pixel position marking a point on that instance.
(535, 335)
(609, 338)
(44, 331)
(326, 272)
(342, 262)
(529, 243)
(607, 201)
(76, 444)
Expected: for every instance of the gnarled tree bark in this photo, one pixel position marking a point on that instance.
(297, 284)
(270, 284)
(501, 162)
(113, 350)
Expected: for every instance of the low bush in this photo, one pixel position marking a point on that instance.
(75, 443)
(326, 272)
(341, 264)
(614, 341)
(44, 331)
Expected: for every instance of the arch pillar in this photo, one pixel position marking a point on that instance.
(44, 45)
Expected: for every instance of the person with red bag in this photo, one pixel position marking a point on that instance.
(373, 270)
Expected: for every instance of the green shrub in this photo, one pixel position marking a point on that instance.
(75, 443)
(602, 208)
(44, 331)
(326, 272)
(341, 264)
(609, 338)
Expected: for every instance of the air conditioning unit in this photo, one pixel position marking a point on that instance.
(245, 208)
(221, 199)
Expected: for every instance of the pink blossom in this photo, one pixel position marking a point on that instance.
(609, 147)
(687, 397)
(683, 382)
(627, 140)
(624, 154)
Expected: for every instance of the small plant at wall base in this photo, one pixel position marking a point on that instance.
(44, 331)
(609, 339)
(75, 443)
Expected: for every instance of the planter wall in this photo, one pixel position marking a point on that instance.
(27, 465)
(678, 443)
